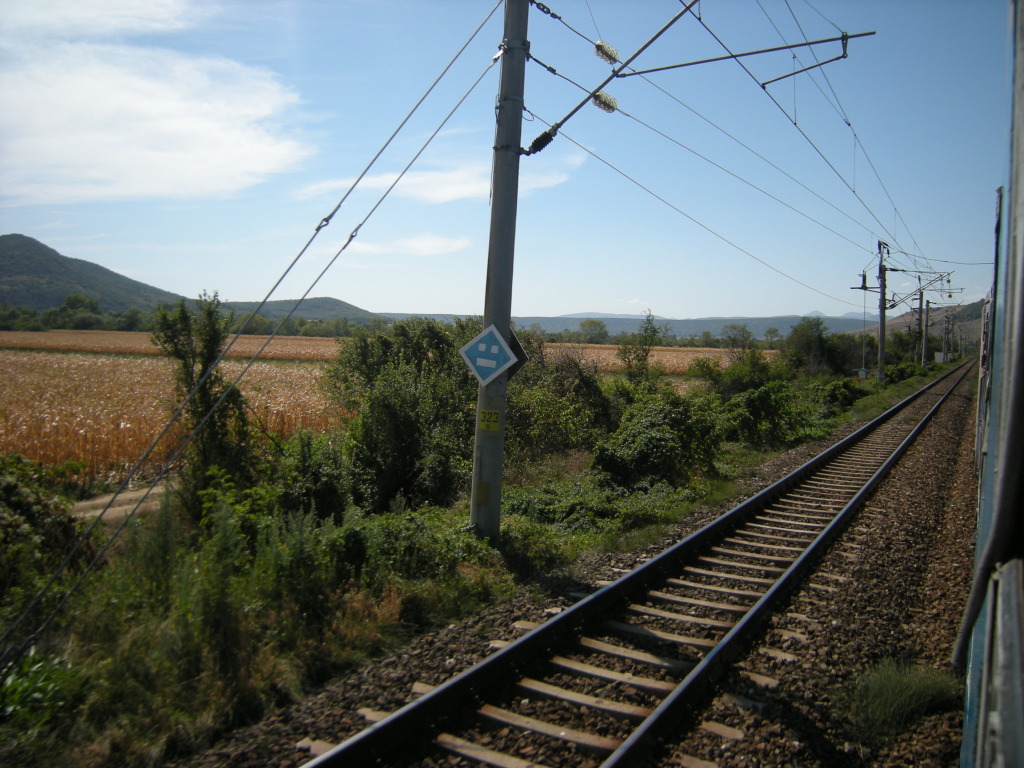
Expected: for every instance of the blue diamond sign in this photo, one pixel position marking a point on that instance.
(488, 355)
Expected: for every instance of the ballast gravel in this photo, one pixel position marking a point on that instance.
(894, 587)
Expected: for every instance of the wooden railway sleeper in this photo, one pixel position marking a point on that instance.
(714, 588)
(649, 684)
(744, 566)
(583, 739)
(643, 610)
(809, 528)
(761, 545)
(681, 600)
(729, 576)
(674, 666)
(609, 706)
(804, 536)
(754, 555)
(747, 531)
(783, 509)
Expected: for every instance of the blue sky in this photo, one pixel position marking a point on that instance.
(196, 145)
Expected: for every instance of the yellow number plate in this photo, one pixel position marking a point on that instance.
(490, 421)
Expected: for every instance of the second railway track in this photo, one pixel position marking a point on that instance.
(602, 682)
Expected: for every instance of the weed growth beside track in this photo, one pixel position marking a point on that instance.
(197, 623)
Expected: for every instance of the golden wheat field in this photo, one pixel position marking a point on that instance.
(106, 409)
(670, 360)
(141, 343)
(102, 397)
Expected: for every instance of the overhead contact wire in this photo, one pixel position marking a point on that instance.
(837, 105)
(711, 162)
(801, 131)
(700, 224)
(718, 128)
(839, 109)
(764, 159)
(736, 176)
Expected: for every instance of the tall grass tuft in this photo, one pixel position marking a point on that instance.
(892, 696)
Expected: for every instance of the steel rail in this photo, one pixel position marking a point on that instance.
(676, 704)
(421, 720)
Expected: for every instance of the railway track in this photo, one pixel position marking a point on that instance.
(604, 681)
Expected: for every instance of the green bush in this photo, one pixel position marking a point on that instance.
(750, 370)
(411, 439)
(433, 559)
(635, 351)
(903, 371)
(412, 398)
(706, 368)
(838, 396)
(555, 404)
(214, 410)
(192, 630)
(659, 504)
(661, 438)
(541, 423)
(546, 527)
(532, 549)
(35, 696)
(574, 507)
(773, 415)
(430, 542)
(312, 475)
(36, 533)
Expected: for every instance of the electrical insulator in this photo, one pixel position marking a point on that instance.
(603, 101)
(604, 51)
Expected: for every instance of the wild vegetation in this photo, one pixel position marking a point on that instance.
(95, 414)
(292, 553)
(893, 695)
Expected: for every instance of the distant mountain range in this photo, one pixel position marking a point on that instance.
(681, 328)
(34, 275)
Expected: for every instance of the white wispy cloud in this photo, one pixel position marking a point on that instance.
(423, 244)
(463, 181)
(87, 121)
(73, 18)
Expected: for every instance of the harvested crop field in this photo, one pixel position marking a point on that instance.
(670, 360)
(102, 397)
(105, 410)
(140, 343)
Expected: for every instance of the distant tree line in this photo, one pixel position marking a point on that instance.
(81, 313)
(595, 331)
(258, 325)
(808, 347)
(78, 313)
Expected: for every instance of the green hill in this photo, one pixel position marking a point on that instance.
(36, 276)
(322, 308)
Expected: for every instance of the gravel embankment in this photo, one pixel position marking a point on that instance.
(895, 587)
